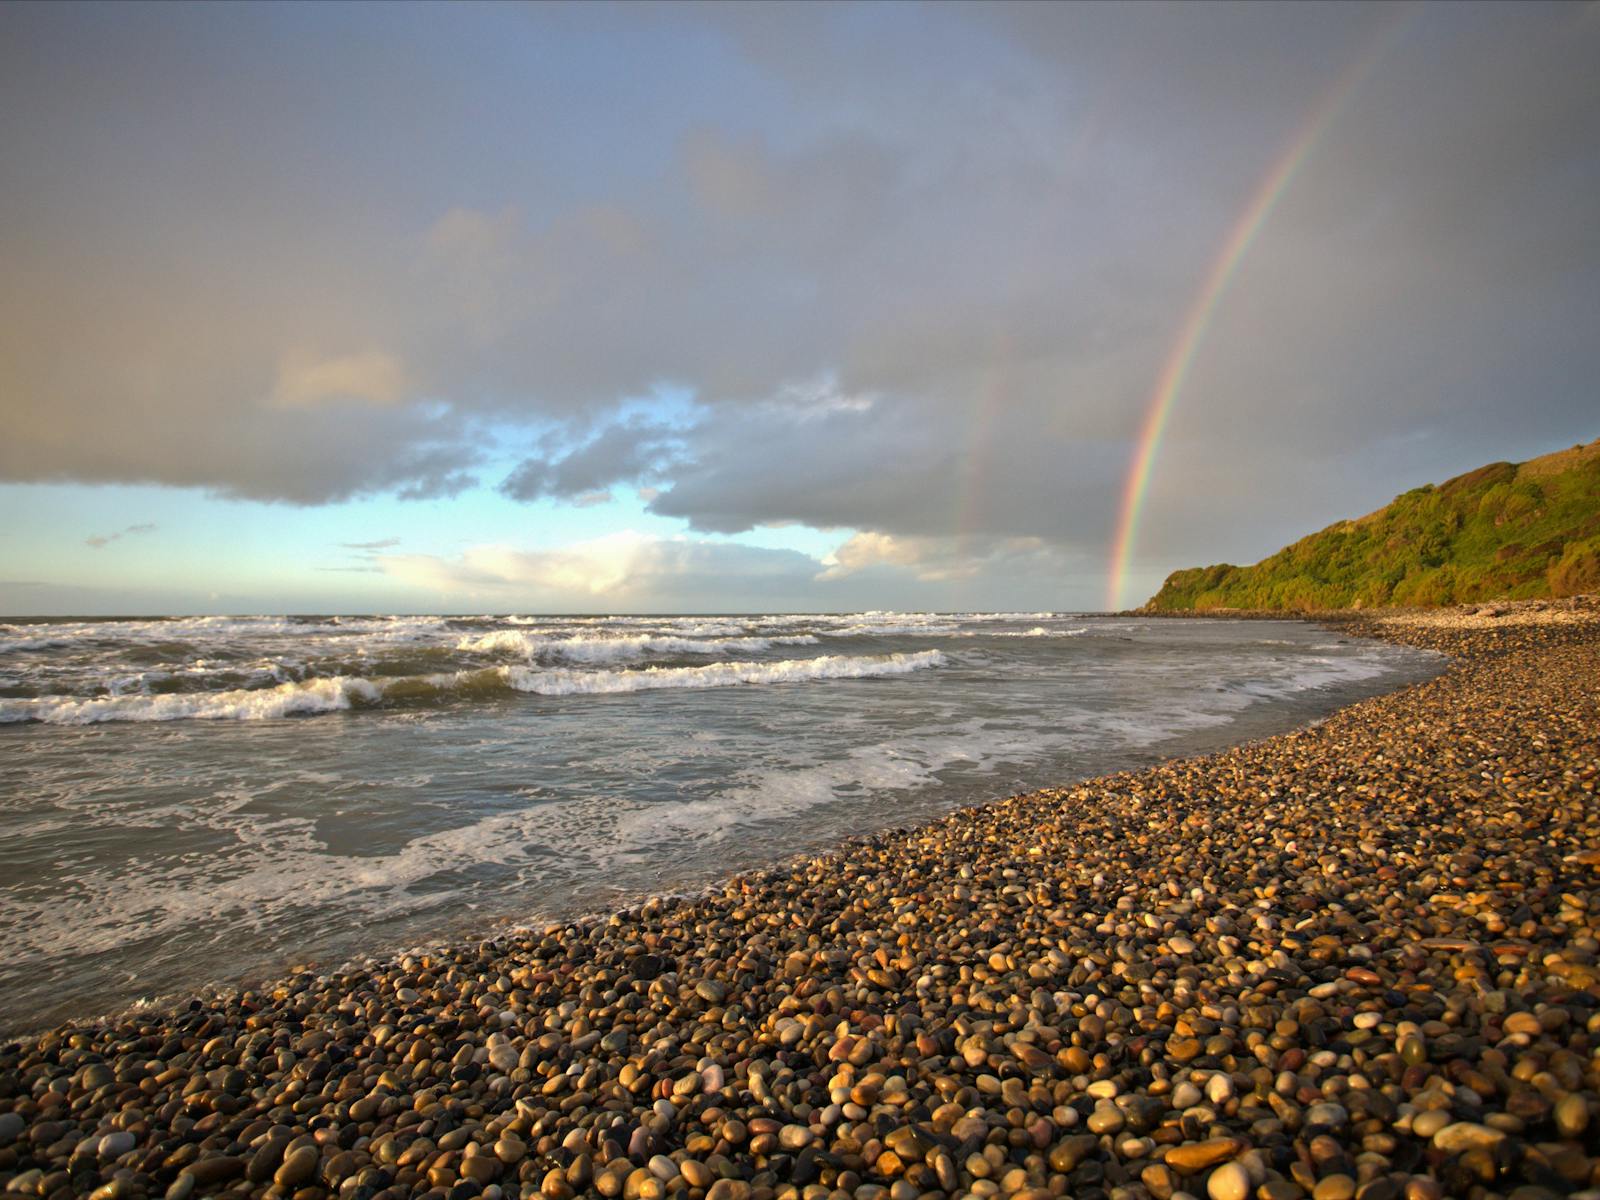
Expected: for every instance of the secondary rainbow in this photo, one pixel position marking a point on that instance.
(1169, 384)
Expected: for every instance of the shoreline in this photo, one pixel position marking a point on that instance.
(104, 972)
(1143, 984)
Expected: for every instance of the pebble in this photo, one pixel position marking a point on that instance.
(1194, 1157)
(1106, 1118)
(1426, 1124)
(1186, 1095)
(299, 1166)
(115, 1145)
(1572, 1115)
(1229, 1182)
(1400, 915)
(1332, 1115)
(1465, 1135)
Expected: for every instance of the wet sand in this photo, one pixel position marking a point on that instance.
(1357, 960)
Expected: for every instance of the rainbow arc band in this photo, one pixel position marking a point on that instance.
(1192, 332)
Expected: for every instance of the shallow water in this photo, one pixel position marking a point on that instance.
(197, 800)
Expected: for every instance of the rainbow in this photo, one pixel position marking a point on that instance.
(1169, 384)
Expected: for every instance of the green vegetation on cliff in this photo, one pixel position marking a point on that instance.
(1504, 531)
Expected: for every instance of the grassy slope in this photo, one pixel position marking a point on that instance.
(1507, 530)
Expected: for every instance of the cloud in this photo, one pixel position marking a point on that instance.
(894, 464)
(982, 226)
(380, 544)
(610, 573)
(625, 452)
(101, 540)
(635, 572)
(940, 560)
(370, 376)
(367, 555)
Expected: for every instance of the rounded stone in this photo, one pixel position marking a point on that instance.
(1426, 1124)
(1186, 1095)
(115, 1145)
(1193, 1157)
(1572, 1115)
(1229, 1182)
(663, 1168)
(1107, 1118)
(298, 1169)
(1465, 1136)
(695, 1174)
(711, 991)
(1333, 1116)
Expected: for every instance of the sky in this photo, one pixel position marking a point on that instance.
(647, 308)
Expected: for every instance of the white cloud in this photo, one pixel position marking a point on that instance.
(635, 572)
(942, 559)
(609, 571)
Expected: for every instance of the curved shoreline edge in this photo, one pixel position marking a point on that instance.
(1357, 959)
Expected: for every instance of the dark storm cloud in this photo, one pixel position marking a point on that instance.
(921, 266)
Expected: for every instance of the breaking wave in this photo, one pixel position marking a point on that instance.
(341, 693)
(828, 666)
(624, 648)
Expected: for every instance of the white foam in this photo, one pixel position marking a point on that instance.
(1038, 631)
(214, 629)
(341, 692)
(565, 682)
(243, 704)
(620, 648)
(889, 628)
(277, 868)
(1007, 616)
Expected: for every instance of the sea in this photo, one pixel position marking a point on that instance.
(189, 802)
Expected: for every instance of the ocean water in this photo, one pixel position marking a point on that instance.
(190, 801)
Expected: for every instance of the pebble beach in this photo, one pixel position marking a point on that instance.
(1357, 960)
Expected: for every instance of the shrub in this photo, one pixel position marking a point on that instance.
(1578, 570)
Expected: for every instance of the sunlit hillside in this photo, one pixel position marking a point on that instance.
(1506, 530)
